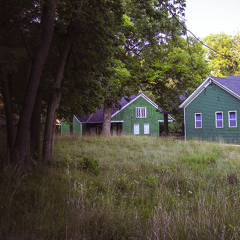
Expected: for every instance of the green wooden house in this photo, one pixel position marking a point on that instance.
(138, 115)
(212, 111)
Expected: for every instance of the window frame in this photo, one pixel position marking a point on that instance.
(195, 118)
(139, 112)
(136, 124)
(216, 120)
(146, 132)
(232, 119)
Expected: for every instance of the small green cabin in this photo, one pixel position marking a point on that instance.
(212, 111)
(138, 115)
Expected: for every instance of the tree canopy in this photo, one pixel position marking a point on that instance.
(87, 52)
(223, 56)
(176, 70)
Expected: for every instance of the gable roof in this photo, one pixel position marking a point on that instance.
(133, 100)
(98, 116)
(230, 84)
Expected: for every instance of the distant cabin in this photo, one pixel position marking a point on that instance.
(137, 115)
(212, 111)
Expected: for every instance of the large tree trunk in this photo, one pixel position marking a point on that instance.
(48, 17)
(49, 133)
(107, 113)
(35, 127)
(8, 108)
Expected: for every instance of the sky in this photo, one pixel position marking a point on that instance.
(205, 17)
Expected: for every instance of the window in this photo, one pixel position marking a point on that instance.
(232, 119)
(219, 119)
(198, 120)
(146, 128)
(136, 129)
(141, 112)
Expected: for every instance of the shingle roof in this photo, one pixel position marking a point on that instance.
(232, 83)
(98, 115)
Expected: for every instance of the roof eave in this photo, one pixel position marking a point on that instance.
(202, 86)
(140, 95)
(226, 89)
(205, 83)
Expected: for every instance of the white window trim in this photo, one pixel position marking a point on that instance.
(141, 112)
(232, 119)
(136, 124)
(216, 120)
(146, 124)
(198, 120)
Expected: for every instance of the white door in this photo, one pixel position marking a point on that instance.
(136, 129)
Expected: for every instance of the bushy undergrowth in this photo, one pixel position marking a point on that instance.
(126, 188)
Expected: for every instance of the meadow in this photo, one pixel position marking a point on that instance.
(125, 188)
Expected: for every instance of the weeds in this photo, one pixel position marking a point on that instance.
(126, 188)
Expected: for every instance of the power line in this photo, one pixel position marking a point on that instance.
(187, 30)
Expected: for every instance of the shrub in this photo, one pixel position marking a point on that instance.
(89, 164)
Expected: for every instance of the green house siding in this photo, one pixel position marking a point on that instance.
(128, 115)
(211, 100)
(65, 128)
(77, 129)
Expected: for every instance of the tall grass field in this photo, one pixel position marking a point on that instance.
(125, 188)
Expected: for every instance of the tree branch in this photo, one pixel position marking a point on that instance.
(26, 45)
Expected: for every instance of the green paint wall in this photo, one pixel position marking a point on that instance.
(76, 128)
(65, 128)
(211, 100)
(128, 115)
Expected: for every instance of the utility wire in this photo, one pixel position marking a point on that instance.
(187, 30)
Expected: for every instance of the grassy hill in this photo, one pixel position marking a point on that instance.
(126, 188)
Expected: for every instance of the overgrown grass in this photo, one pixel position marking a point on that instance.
(126, 188)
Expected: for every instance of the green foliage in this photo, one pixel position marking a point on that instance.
(89, 164)
(175, 127)
(85, 163)
(177, 69)
(224, 60)
(147, 26)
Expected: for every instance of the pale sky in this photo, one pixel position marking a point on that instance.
(205, 17)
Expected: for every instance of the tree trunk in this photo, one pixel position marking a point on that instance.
(71, 126)
(54, 101)
(165, 124)
(53, 136)
(107, 113)
(8, 109)
(35, 127)
(49, 132)
(48, 17)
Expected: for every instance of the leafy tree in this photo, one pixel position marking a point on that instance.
(89, 27)
(17, 21)
(91, 33)
(119, 83)
(39, 58)
(13, 53)
(176, 70)
(147, 25)
(223, 55)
